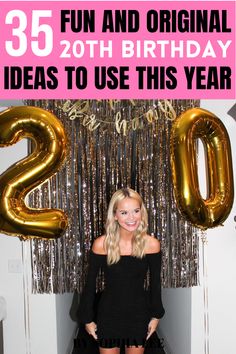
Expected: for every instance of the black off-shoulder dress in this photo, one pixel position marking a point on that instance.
(125, 307)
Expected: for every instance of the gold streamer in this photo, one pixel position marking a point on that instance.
(26, 294)
(205, 293)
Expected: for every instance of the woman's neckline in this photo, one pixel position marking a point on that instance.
(123, 255)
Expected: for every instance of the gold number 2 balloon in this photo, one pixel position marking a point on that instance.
(188, 127)
(17, 181)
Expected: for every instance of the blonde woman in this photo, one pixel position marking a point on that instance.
(127, 314)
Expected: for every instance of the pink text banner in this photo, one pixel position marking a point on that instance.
(101, 50)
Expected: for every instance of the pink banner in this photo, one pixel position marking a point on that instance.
(117, 49)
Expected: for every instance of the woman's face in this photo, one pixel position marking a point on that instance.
(128, 214)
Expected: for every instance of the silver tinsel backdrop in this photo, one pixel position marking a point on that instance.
(113, 144)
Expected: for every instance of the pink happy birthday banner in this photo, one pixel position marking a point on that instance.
(117, 49)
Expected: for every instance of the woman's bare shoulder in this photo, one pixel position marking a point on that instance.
(152, 244)
(98, 245)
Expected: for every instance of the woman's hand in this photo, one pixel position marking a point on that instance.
(91, 328)
(152, 326)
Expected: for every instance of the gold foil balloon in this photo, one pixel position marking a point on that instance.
(47, 132)
(197, 123)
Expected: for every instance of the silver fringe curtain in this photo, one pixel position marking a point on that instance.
(113, 144)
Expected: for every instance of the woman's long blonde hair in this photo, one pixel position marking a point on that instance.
(112, 227)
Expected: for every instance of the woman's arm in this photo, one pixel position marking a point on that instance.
(86, 304)
(155, 302)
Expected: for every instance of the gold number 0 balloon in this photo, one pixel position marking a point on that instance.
(47, 132)
(188, 127)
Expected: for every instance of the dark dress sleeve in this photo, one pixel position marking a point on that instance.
(86, 311)
(155, 302)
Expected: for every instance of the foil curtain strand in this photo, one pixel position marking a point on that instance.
(26, 291)
(98, 163)
(205, 293)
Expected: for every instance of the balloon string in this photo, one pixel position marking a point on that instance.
(205, 294)
(26, 296)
